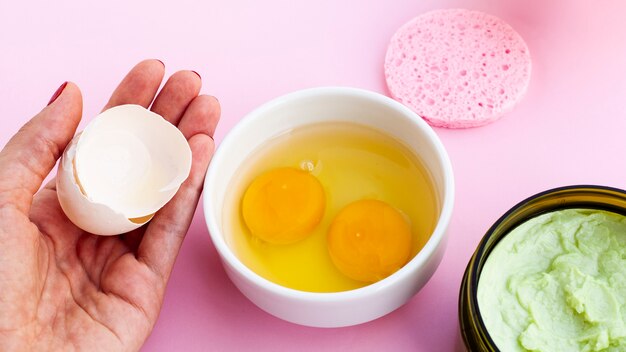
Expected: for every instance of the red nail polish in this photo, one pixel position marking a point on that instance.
(196, 74)
(57, 93)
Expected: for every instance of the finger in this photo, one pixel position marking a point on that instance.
(177, 93)
(32, 153)
(165, 233)
(139, 86)
(201, 116)
(133, 239)
(50, 219)
(52, 184)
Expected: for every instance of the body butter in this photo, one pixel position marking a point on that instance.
(557, 282)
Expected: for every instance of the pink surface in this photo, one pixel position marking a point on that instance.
(457, 68)
(570, 128)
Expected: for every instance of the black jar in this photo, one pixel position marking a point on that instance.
(473, 330)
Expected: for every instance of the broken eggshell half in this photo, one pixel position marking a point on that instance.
(127, 164)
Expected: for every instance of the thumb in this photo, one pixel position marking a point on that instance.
(33, 151)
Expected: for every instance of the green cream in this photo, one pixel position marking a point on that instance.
(558, 283)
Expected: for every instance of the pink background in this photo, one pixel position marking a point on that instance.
(569, 129)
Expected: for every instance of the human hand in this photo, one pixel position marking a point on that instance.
(64, 289)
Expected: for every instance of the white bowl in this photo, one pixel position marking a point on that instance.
(318, 105)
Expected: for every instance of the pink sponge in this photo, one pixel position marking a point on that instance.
(457, 68)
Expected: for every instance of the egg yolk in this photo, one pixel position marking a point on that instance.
(369, 240)
(283, 205)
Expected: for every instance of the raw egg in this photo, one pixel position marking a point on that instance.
(369, 240)
(283, 205)
(127, 164)
(329, 207)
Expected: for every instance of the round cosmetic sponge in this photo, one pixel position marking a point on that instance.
(457, 68)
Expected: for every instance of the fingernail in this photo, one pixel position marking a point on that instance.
(161, 62)
(196, 74)
(57, 93)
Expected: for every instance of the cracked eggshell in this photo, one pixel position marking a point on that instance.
(126, 165)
